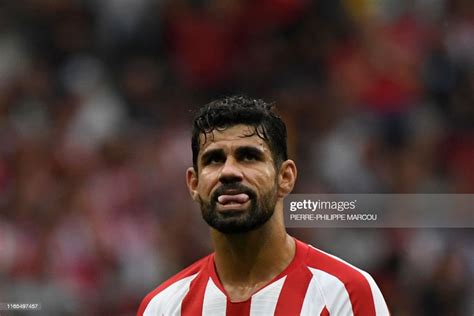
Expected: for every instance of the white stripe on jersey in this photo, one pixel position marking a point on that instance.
(314, 302)
(334, 293)
(168, 302)
(381, 308)
(264, 302)
(215, 302)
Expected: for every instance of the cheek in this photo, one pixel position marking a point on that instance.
(206, 182)
(264, 178)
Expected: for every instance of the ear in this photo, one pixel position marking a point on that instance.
(192, 182)
(286, 178)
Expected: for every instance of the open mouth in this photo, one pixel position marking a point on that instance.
(239, 198)
(232, 200)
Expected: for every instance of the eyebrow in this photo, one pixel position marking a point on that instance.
(244, 150)
(240, 151)
(210, 153)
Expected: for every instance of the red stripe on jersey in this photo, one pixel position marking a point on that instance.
(193, 301)
(324, 312)
(238, 309)
(192, 269)
(290, 301)
(356, 284)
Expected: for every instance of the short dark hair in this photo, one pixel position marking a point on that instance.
(234, 110)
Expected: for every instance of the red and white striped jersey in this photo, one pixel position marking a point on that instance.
(315, 283)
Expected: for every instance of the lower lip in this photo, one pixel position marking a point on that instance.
(232, 206)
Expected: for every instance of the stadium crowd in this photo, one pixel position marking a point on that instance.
(95, 101)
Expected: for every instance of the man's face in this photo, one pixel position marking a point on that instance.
(236, 180)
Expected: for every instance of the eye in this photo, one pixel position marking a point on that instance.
(213, 159)
(249, 154)
(249, 157)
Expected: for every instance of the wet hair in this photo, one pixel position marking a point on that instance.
(234, 110)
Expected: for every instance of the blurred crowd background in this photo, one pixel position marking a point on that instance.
(95, 115)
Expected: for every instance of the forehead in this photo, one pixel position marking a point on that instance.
(231, 138)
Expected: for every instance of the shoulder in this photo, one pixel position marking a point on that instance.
(177, 283)
(324, 263)
(344, 287)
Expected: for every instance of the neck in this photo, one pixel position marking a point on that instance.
(252, 259)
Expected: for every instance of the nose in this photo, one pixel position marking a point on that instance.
(230, 171)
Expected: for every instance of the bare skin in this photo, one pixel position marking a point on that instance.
(245, 262)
